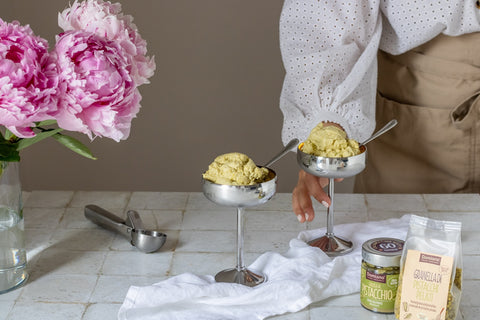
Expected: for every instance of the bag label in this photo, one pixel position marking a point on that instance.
(425, 285)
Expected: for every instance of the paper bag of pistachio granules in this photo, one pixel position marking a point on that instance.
(430, 282)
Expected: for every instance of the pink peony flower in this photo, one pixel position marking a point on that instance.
(96, 93)
(27, 79)
(106, 20)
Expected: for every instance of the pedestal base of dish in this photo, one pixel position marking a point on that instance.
(246, 277)
(332, 245)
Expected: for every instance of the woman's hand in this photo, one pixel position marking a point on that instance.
(309, 186)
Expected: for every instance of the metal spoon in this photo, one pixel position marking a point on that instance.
(388, 126)
(292, 144)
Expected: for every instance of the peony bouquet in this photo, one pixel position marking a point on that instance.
(88, 82)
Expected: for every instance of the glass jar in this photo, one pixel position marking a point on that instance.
(379, 273)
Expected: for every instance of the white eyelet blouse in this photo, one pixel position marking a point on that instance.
(329, 51)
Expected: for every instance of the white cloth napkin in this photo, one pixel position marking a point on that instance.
(297, 278)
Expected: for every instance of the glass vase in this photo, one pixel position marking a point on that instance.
(13, 259)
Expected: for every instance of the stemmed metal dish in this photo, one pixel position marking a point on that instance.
(332, 168)
(335, 168)
(241, 197)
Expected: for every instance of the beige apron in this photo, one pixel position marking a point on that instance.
(434, 93)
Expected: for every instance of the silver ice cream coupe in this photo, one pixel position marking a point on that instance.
(241, 197)
(334, 168)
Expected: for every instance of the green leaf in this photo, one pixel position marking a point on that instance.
(74, 145)
(8, 134)
(8, 151)
(45, 123)
(23, 143)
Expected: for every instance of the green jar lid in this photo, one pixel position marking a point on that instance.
(383, 252)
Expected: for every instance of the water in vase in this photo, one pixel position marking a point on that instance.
(13, 257)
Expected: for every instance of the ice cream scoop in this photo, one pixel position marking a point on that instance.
(145, 240)
(238, 169)
(235, 169)
(330, 141)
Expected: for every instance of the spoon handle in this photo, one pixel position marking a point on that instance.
(388, 126)
(293, 143)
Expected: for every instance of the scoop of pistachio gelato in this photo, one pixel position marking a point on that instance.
(330, 141)
(235, 169)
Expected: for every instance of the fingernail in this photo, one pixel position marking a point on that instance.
(306, 216)
(325, 204)
(299, 217)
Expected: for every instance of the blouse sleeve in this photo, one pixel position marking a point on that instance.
(411, 23)
(329, 53)
(329, 50)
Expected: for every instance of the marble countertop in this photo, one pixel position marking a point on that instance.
(81, 271)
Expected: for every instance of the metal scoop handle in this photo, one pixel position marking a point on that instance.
(134, 220)
(107, 220)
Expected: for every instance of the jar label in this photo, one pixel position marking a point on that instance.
(378, 291)
(425, 285)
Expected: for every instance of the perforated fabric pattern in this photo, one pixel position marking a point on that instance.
(329, 53)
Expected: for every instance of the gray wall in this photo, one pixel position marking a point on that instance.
(216, 90)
